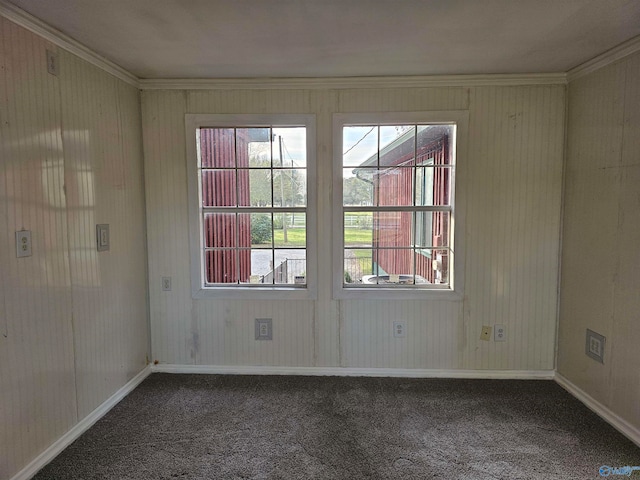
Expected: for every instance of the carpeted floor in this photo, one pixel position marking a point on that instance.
(277, 427)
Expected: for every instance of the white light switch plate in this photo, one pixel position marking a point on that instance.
(52, 63)
(102, 237)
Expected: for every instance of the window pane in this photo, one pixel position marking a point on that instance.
(260, 266)
(433, 185)
(391, 263)
(258, 228)
(219, 188)
(217, 148)
(357, 186)
(397, 145)
(433, 265)
(424, 186)
(393, 229)
(289, 187)
(410, 168)
(358, 229)
(432, 229)
(395, 186)
(220, 230)
(222, 266)
(290, 147)
(360, 145)
(358, 262)
(434, 143)
(290, 229)
(254, 144)
(289, 265)
(254, 186)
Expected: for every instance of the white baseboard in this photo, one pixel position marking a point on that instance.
(617, 422)
(356, 372)
(82, 426)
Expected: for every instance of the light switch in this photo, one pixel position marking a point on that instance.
(23, 243)
(52, 63)
(102, 237)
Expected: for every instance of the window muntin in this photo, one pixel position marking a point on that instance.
(397, 204)
(250, 180)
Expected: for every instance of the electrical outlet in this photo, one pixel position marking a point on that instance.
(166, 284)
(23, 243)
(499, 333)
(594, 347)
(264, 329)
(399, 329)
(486, 333)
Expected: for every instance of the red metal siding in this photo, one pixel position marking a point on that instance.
(223, 185)
(395, 188)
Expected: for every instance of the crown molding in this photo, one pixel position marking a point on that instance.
(353, 82)
(624, 49)
(37, 26)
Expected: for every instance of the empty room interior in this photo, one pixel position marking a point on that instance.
(319, 239)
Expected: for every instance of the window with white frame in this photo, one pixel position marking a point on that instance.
(396, 208)
(251, 184)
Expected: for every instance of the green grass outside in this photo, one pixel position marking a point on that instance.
(362, 253)
(357, 236)
(296, 237)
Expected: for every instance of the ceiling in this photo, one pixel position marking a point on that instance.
(334, 38)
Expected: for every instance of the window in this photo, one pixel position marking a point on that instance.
(395, 207)
(251, 187)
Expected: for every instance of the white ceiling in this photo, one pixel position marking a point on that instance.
(326, 38)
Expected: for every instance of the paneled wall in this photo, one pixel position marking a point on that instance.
(601, 237)
(73, 322)
(510, 186)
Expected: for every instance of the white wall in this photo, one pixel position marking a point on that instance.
(73, 322)
(601, 237)
(512, 183)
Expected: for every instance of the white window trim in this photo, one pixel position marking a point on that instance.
(268, 292)
(455, 291)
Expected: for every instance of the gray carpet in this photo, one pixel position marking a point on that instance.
(272, 427)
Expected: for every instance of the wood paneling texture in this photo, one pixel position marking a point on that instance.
(512, 224)
(510, 185)
(102, 143)
(74, 322)
(602, 223)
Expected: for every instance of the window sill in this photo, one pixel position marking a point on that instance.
(355, 293)
(255, 293)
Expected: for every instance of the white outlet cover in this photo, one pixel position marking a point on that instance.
(23, 243)
(399, 329)
(499, 333)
